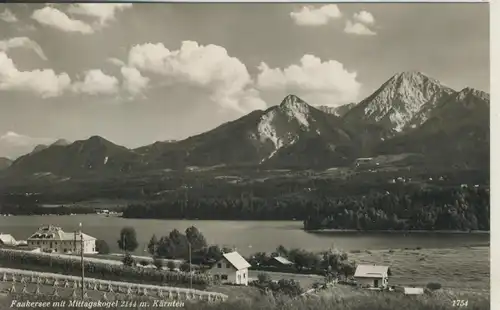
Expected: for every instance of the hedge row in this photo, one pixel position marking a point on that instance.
(63, 265)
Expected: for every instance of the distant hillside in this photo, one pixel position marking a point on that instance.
(5, 163)
(95, 154)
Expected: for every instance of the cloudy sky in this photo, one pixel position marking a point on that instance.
(136, 74)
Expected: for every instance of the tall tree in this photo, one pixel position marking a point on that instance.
(179, 244)
(128, 239)
(196, 238)
(153, 245)
(102, 247)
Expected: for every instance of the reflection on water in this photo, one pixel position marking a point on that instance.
(247, 236)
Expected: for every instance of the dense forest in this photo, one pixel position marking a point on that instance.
(406, 208)
(431, 209)
(35, 209)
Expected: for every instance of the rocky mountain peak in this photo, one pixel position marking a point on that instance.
(469, 91)
(292, 102)
(61, 142)
(400, 99)
(295, 108)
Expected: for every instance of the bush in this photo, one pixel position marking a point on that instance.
(317, 285)
(263, 277)
(185, 267)
(128, 260)
(289, 287)
(102, 247)
(158, 262)
(171, 265)
(144, 263)
(433, 286)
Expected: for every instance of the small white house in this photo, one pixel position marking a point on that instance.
(232, 268)
(53, 239)
(372, 276)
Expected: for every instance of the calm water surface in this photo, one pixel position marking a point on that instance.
(247, 236)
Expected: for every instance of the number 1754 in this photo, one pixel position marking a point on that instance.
(460, 303)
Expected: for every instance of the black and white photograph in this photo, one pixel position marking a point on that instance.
(220, 156)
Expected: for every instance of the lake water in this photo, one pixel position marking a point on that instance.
(247, 236)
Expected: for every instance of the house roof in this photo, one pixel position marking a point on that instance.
(56, 233)
(7, 239)
(283, 260)
(235, 259)
(371, 271)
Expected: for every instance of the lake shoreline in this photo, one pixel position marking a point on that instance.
(248, 237)
(326, 231)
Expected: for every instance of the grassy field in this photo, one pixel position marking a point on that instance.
(464, 269)
(347, 299)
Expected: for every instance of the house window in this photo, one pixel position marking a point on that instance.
(228, 265)
(219, 265)
(224, 277)
(244, 275)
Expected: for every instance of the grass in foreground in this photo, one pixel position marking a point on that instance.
(359, 300)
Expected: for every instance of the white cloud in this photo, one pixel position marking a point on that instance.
(8, 17)
(326, 82)
(364, 17)
(133, 81)
(115, 61)
(26, 42)
(96, 82)
(13, 145)
(309, 16)
(53, 17)
(358, 28)
(104, 12)
(44, 82)
(207, 66)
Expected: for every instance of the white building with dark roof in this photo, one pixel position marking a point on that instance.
(53, 239)
(232, 268)
(372, 276)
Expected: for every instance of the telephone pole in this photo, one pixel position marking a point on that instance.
(190, 273)
(83, 266)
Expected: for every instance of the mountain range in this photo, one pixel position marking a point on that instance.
(410, 113)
